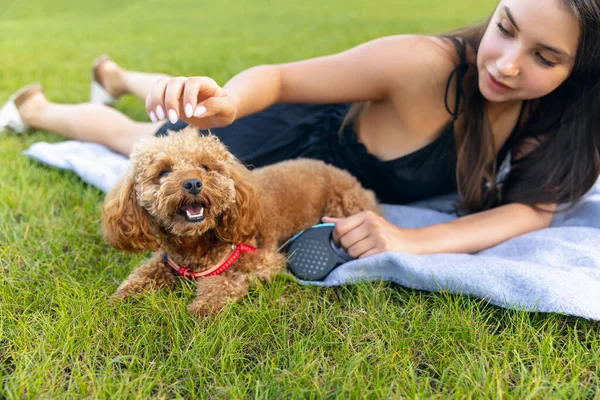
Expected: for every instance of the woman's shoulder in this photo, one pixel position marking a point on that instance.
(419, 62)
(421, 48)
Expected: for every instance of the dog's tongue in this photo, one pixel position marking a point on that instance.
(193, 208)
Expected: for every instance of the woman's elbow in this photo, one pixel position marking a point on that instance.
(544, 214)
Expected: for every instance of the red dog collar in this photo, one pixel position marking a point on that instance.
(186, 272)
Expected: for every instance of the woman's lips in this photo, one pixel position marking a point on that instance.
(495, 85)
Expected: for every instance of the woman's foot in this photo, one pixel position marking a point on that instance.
(106, 85)
(19, 112)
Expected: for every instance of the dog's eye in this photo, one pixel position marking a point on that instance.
(204, 168)
(164, 173)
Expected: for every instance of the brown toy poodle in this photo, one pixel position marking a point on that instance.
(207, 217)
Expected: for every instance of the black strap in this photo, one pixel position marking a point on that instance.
(460, 70)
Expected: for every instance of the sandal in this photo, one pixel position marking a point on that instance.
(98, 94)
(10, 119)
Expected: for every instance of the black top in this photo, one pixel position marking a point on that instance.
(287, 131)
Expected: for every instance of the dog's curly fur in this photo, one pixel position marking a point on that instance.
(263, 207)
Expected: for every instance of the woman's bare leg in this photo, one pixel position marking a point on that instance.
(94, 122)
(86, 122)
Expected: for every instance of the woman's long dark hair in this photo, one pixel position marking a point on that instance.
(564, 125)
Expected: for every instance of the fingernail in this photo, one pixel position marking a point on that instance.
(188, 110)
(200, 110)
(173, 116)
(160, 113)
(153, 117)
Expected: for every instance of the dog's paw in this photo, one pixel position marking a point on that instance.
(205, 309)
(119, 295)
(126, 289)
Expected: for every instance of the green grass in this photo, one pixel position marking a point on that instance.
(60, 337)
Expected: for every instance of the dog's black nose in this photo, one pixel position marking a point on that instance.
(192, 186)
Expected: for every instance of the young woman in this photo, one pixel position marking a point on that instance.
(429, 115)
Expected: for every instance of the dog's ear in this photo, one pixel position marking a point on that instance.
(126, 225)
(239, 223)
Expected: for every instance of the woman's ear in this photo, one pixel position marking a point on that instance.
(126, 225)
(239, 224)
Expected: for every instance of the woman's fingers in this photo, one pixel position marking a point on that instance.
(197, 89)
(155, 101)
(219, 106)
(187, 98)
(172, 102)
(345, 225)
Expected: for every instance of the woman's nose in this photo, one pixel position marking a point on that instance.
(508, 64)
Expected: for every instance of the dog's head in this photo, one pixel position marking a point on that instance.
(183, 185)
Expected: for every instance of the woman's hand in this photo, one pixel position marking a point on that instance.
(197, 100)
(366, 233)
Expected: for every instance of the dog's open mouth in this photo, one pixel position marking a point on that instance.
(192, 212)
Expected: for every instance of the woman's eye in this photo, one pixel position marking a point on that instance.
(545, 61)
(503, 30)
(164, 173)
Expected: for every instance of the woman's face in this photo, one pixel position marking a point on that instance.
(528, 50)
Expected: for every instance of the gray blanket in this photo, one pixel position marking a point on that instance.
(551, 270)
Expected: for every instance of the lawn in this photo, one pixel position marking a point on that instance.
(60, 337)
